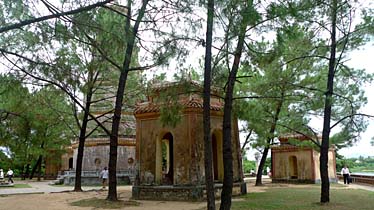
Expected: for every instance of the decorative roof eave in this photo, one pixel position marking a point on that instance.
(150, 107)
(299, 137)
(287, 147)
(293, 147)
(105, 142)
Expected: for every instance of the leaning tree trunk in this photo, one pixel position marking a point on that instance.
(27, 172)
(40, 168)
(38, 162)
(262, 164)
(112, 192)
(209, 183)
(325, 187)
(82, 139)
(269, 141)
(226, 193)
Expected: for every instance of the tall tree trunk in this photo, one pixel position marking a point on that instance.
(226, 193)
(23, 174)
(38, 162)
(325, 187)
(208, 157)
(130, 36)
(40, 168)
(262, 164)
(269, 141)
(27, 173)
(82, 139)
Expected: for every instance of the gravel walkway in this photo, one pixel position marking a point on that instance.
(43, 187)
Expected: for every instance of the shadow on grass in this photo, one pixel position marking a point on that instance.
(306, 198)
(104, 204)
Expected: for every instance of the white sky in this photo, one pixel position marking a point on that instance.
(359, 59)
(364, 59)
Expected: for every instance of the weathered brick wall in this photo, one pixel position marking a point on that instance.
(188, 146)
(180, 193)
(97, 157)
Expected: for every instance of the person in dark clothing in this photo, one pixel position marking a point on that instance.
(345, 173)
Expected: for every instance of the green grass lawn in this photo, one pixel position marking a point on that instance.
(16, 186)
(306, 198)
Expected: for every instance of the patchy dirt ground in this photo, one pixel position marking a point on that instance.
(63, 200)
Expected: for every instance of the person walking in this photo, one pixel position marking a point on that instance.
(345, 172)
(104, 175)
(10, 175)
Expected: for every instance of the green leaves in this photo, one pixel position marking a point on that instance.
(33, 119)
(170, 114)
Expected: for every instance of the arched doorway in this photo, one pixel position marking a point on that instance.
(70, 163)
(217, 156)
(165, 160)
(293, 167)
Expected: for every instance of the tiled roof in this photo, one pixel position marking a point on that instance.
(299, 137)
(149, 107)
(146, 107)
(198, 103)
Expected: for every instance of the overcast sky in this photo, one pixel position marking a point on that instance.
(359, 59)
(364, 59)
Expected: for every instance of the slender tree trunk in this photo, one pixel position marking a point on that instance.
(261, 166)
(325, 187)
(209, 183)
(112, 192)
(40, 168)
(27, 173)
(227, 119)
(38, 162)
(246, 142)
(269, 141)
(23, 173)
(82, 139)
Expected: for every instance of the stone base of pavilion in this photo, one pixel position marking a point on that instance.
(181, 193)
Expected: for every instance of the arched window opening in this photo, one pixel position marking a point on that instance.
(217, 156)
(70, 163)
(293, 167)
(165, 160)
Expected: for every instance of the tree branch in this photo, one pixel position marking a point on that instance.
(47, 17)
(349, 116)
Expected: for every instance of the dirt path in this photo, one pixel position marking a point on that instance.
(62, 200)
